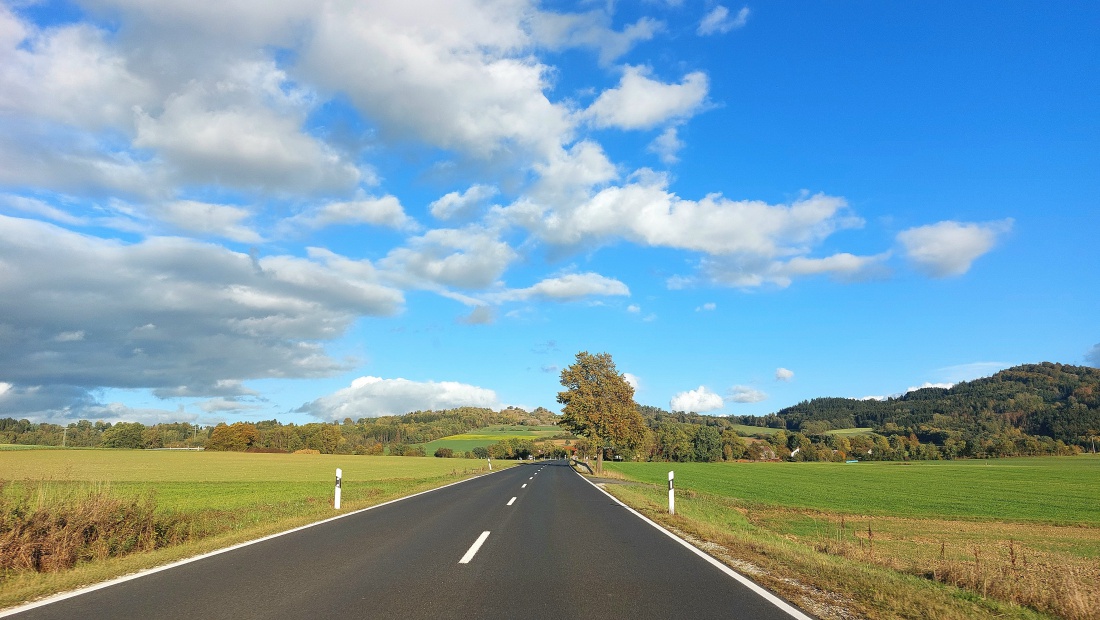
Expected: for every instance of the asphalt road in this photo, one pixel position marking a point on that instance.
(561, 549)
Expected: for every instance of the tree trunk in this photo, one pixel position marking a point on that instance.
(599, 461)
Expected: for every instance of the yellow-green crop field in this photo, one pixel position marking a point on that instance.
(489, 435)
(186, 502)
(1015, 538)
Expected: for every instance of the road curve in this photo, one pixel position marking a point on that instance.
(534, 541)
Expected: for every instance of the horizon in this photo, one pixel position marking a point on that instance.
(317, 211)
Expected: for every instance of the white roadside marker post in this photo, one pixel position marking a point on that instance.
(339, 474)
(671, 497)
(490, 464)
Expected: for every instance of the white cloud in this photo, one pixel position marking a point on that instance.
(666, 146)
(745, 394)
(68, 74)
(169, 312)
(1093, 355)
(243, 131)
(462, 205)
(634, 308)
(699, 400)
(567, 288)
(378, 211)
(948, 248)
(208, 219)
(646, 213)
(371, 397)
(633, 380)
(930, 385)
(456, 74)
(707, 307)
(719, 21)
(472, 258)
(69, 336)
(221, 405)
(782, 374)
(44, 210)
(591, 30)
(481, 315)
(639, 102)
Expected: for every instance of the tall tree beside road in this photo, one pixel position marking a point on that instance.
(599, 405)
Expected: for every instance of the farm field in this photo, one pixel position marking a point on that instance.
(195, 502)
(992, 538)
(489, 435)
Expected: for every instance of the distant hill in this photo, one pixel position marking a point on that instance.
(1059, 401)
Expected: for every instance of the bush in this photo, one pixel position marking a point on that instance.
(444, 453)
(307, 451)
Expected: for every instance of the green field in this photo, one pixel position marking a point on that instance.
(207, 500)
(1054, 489)
(489, 435)
(993, 538)
(749, 431)
(847, 432)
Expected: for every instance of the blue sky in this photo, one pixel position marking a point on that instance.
(316, 210)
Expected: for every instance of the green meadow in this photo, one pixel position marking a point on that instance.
(489, 435)
(999, 538)
(1060, 490)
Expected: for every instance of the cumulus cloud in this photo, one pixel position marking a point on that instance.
(456, 205)
(228, 132)
(698, 400)
(634, 308)
(719, 21)
(591, 30)
(639, 102)
(1093, 355)
(377, 211)
(472, 258)
(667, 145)
(745, 394)
(782, 374)
(371, 397)
(567, 288)
(455, 74)
(707, 307)
(481, 315)
(632, 380)
(949, 248)
(926, 384)
(169, 312)
(208, 219)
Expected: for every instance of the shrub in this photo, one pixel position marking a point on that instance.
(444, 453)
(307, 451)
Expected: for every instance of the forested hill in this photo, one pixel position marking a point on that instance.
(1053, 400)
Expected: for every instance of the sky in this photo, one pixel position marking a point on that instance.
(317, 210)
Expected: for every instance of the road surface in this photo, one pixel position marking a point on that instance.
(533, 541)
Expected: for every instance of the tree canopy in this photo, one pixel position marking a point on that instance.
(599, 404)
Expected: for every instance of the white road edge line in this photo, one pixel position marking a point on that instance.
(473, 548)
(748, 583)
(524, 486)
(511, 501)
(11, 611)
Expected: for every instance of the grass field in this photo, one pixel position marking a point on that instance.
(997, 538)
(749, 431)
(205, 500)
(489, 435)
(848, 432)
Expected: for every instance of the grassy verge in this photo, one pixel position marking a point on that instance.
(93, 515)
(892, 557)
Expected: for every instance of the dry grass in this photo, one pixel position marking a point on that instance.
(48, 527)
(839, 567)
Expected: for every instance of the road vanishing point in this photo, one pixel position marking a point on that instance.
(532, 541)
